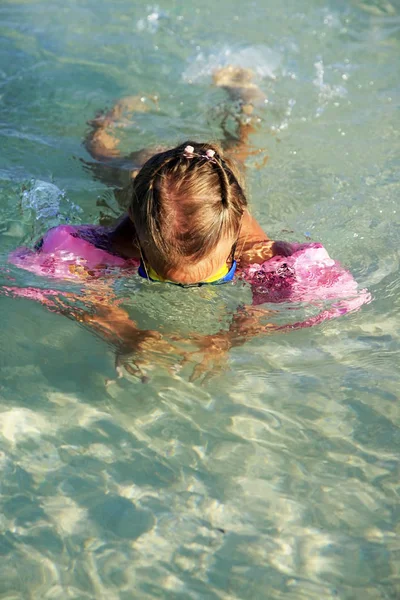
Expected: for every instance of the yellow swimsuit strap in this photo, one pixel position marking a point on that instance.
(224, 270)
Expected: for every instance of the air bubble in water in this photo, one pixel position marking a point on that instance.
(326, 91)
(152, 20)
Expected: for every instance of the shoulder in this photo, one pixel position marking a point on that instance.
(253, 244)
(250, 230)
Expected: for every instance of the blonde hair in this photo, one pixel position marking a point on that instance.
(184, 203)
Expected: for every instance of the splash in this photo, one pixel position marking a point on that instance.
(151, 22)
(44, 205)
(326, 92)
(262, 60)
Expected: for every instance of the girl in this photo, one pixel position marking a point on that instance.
(187, 224)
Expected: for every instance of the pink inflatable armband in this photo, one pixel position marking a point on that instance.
(307, 275)
(64, 255)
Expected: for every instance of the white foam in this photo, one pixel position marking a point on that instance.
(44, 198)
(151, 21)
(46, 206)
(263, 61)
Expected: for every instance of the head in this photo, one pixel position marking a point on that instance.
(187, 209)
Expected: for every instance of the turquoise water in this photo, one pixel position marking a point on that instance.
(278, 477)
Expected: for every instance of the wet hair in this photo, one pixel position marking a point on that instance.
(183, 203)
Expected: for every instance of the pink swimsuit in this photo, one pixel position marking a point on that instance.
(307, 275)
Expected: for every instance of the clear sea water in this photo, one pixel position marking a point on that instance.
(278, 478)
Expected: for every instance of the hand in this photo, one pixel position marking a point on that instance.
(213, 350)
(248, 323)
(145, 353)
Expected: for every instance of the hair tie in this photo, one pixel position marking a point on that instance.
(188, 152)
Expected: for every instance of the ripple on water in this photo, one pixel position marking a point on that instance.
(278, 478)
(21, 423)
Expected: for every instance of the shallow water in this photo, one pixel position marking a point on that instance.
(278, 477)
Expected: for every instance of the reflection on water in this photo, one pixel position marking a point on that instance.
(277, 477)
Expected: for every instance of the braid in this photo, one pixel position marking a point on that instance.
(224, 182)
(153, 206)
(227, 179)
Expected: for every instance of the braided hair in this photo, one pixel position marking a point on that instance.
(185, 200)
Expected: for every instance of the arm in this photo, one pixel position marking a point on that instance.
(140, 351)
(98, 310)
(250, 322)
(143, 350)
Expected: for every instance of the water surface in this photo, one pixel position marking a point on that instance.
(277, 478)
